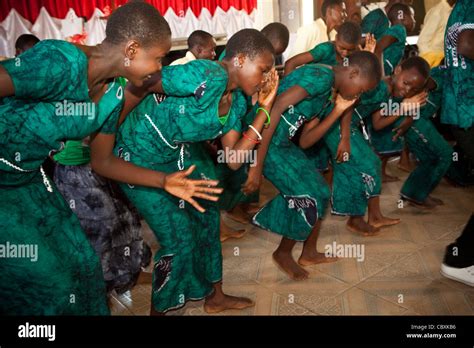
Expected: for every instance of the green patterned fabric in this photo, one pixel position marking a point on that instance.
(458, 95)
(434, 154)
(304, 194)
(167, 135)
(393, 54)
(324, 53)
(51, 104)
(375, 22)
(372, 101)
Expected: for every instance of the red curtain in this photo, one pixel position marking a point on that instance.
(29, 9)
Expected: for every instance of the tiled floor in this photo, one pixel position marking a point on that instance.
(398, 276)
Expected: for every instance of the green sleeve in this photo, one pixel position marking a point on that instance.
(200, 79)
(316, 80)
(45, 72)
(375, 22)
(322, 52)
(397, 31)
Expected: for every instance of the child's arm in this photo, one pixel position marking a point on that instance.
(382, 44)
(232, 140)
(402, 128)
(296, 61)
(290, 97)
(313, 131)
(344, 147)
(466, 43)
(7, 89)
(105, 163)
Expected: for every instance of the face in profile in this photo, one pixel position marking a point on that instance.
(207, 51)
(253, 74)
(144, 61)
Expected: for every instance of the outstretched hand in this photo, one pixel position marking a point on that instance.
(179, 185)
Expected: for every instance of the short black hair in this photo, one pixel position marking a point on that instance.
(199, 38)
(328, 4)
(350, 32)
(398, 9)
(26, 41)
(277, 33)
(249, 42)
(137, 20)
(368, 64)
(417, 63)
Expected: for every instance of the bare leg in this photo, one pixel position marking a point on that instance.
(376, 218)
(405, 164)
(310, 255)
(284, 259)
(385, 176)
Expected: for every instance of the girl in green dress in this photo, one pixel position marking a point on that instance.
(396, 108)
(201, 104)
(305, 97)
(376, 21)
(433, 153)
(330, 53)
(53, 92)
(390, 48)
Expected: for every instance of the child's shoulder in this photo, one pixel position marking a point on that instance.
(376, 95)
(315, 78)
(398, 31)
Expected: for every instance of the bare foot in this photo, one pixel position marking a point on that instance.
(359, 226)
(435, 200)
(313, 258)
(389, 178)
(216, 304)
(227, 232)
(239, 215)
(286, 263)
(383, 221)
(426, 205)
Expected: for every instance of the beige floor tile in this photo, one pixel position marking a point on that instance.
(359, 302)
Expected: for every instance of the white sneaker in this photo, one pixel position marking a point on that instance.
(463, 275)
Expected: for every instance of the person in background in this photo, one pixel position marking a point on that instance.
(333, 14)
(431, 40)
(25, 42)
(458, 111)
(376, 21)
(201, 45)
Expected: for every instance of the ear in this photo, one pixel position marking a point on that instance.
(397, 70)
(131, 49)
(241, 58)
(354, 72)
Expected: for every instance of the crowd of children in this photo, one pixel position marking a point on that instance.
(133, 140)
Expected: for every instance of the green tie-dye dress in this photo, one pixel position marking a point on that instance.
(304, 194)
(51, 104)
(165, 134)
